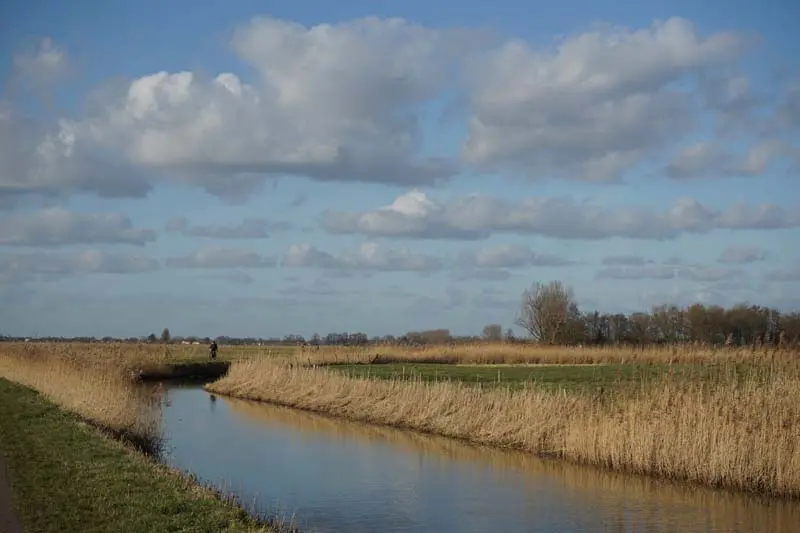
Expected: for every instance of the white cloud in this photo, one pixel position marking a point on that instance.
(740, 255)
(476, 217)
(57, 226)
(344, 101)
(32, 266)
(249, 228)
(50, 162)
(220, 257)
(369, 256)
(40, 64)
(331, 102)
(594, 106)
(708, 159)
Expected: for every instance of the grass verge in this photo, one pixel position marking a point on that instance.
(66, 476)
(577, 378)
(736, 432)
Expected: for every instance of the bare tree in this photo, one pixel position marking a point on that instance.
(493, 332)
(548, 312)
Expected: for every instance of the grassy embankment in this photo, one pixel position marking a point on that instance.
(68, 474)
(733, 421)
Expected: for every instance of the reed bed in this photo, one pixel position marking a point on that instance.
(519, 353)
(608, 492)
(735, 432)
(100, 393)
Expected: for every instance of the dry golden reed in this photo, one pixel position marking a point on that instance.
(741, 434)
(521, 353)
(607, 492)
(98, 392)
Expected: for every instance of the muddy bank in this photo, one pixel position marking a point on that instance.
(207, 370)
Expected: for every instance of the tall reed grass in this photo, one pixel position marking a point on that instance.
(607, 492)
(519, 353)
(738, 433)
(100, 393)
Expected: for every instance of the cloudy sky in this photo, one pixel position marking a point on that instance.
(265, 168)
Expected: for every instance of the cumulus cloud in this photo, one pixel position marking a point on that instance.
(477, 217)
(708, 159)
(221, 257)
(740, 255)
(369, 256)
(330, 102)
(57, 226)
(34, 266)
(50, 162)
(343, 102)
(249, 228)
(594, 106)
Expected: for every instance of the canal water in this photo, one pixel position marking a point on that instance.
(337, 476)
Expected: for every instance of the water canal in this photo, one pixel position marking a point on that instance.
(338, 476)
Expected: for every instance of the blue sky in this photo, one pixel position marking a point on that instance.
(267, 168)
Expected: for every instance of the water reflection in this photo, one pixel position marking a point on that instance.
(339, 476)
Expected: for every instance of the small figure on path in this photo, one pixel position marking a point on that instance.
(213, 349)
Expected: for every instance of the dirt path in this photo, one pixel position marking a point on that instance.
(8, 520)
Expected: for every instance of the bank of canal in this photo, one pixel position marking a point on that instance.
(338, 476)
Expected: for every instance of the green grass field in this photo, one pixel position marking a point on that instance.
(570, 377)
(66, 476)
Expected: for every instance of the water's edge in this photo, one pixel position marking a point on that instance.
(319, 465)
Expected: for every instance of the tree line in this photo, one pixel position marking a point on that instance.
(550, 314)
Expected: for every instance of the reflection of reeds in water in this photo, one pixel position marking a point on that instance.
(100, 394)
(738, 433)
(608, 493)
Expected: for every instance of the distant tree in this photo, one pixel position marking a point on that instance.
(151, 337)
(493, 332)
(165, 336)
(510, 335)
(549, 313)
